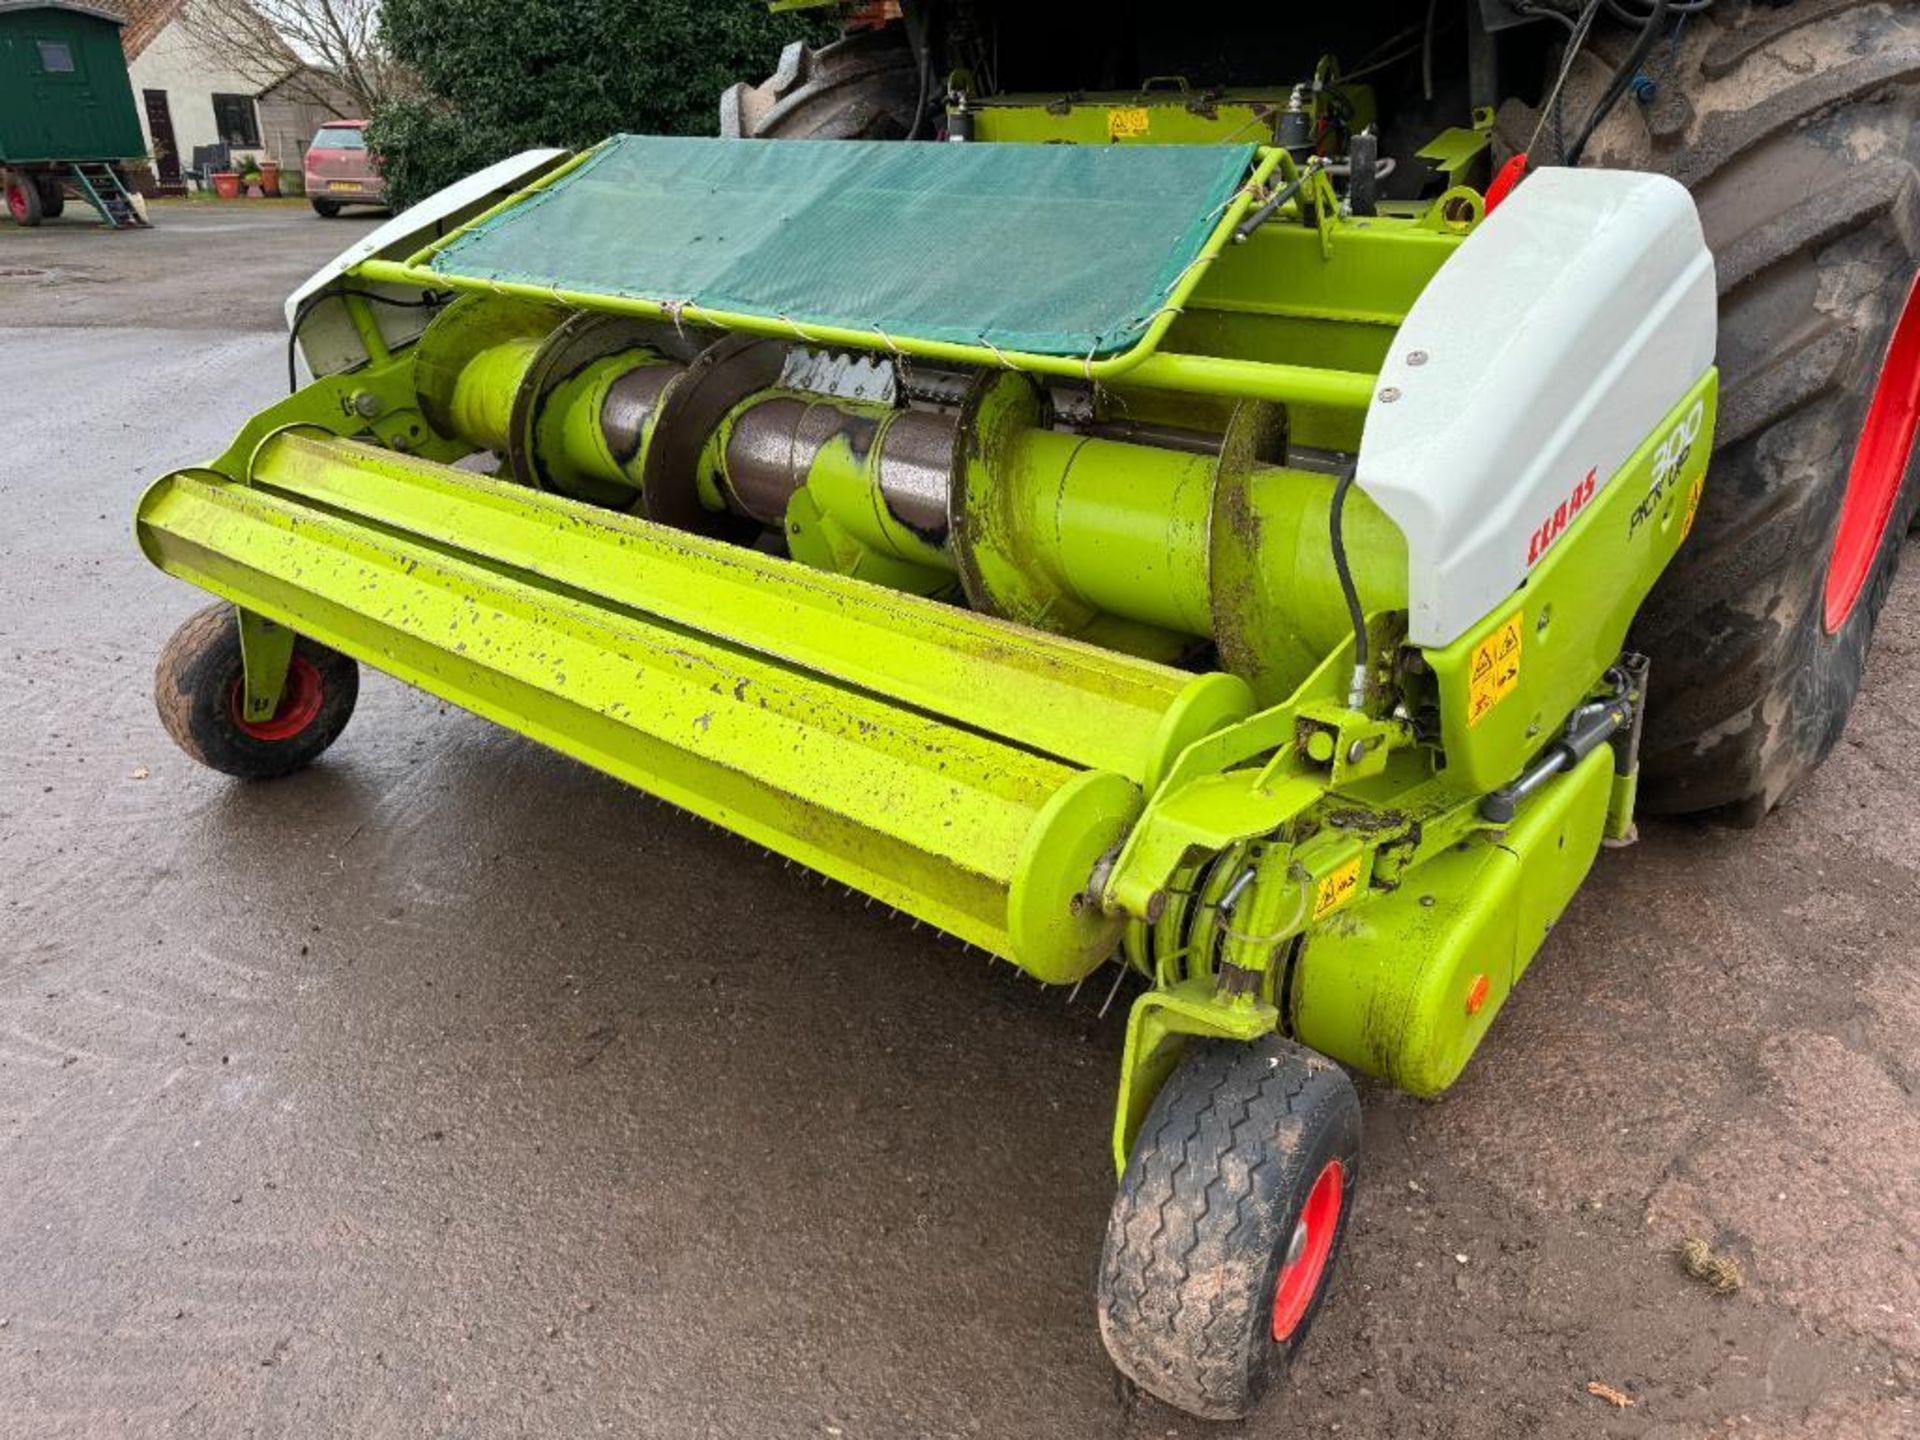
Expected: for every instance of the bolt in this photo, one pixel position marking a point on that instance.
(1644, 89)
(1416, 357)
(1356, 752)
(1428, 901)
(366, 404)
(1389, 395)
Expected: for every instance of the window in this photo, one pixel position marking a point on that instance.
(56, 57)
(234, 118)
(340, 137)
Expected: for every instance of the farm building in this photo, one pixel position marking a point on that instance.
(211, 74)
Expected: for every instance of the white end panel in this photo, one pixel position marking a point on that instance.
(328, 347)
(1537, 360)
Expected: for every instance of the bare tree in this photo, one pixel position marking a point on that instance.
(328, 52)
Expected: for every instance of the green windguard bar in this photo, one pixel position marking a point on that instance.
(1051, 250)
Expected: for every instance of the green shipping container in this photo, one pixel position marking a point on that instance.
(64, 92)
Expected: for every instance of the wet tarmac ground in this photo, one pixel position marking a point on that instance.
(450, 1089)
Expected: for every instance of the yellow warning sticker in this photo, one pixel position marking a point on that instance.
(1129, 123)
(1338, 888)
(1693, 504)
(1495, 670)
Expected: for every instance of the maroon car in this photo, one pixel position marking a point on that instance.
(340, 170)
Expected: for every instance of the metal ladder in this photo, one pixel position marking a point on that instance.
(101, 184)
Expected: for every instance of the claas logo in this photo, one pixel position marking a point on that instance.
(1549, 530)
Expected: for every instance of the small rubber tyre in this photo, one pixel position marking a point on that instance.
(198, 687)
(326, 209)
(1229, 1218)
(23, 201)
(53, 197)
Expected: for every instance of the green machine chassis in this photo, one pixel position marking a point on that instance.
(1141, 736)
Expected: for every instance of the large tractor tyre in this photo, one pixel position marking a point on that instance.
(53, 197)
(863, 86)
(199, 684)
(1798, 130)
(23, 201)
(1228, 1221)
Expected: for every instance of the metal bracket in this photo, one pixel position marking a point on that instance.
(266, 650)
(1157, 1028)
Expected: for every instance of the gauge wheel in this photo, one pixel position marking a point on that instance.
(1230, 1215)
(199, 688)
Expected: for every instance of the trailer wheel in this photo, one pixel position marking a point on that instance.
(1807, 175)
(23, 201)
(1227, 1223)
(198, 689)
(53, 197)
(326, 209)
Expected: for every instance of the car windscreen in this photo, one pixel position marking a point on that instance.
(340, 138)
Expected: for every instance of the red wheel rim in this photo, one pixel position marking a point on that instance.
(17, 202)
(300, 701)
(1310, 1247)
(1879, 464)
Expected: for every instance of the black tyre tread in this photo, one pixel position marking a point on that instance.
(1176, 1302)
(1817, 235)
(1764, 25)
(1763, 398)
(1726, 137)
(191, 680)
(1857, 198)
(863, 86)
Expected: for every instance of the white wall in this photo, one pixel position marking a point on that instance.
(178, 63)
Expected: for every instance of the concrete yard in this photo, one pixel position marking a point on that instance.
(451, 1089)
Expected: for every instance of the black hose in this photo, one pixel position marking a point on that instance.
(1348, 590)
(1622, 78)
(312, 303)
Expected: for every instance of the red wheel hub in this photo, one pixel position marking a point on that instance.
(1309, 1249)
(1879, 464)
(300, 701)
(17, 201)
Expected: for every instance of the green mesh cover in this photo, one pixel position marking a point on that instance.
(1054, 249)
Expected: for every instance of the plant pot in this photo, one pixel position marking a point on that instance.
(226, 184)
(270, 180)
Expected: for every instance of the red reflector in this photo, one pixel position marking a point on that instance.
(1477, 994)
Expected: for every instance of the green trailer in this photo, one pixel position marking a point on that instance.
(67, 120)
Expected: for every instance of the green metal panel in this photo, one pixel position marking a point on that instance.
(53, 115)
(1574, 609)
(1404, 985)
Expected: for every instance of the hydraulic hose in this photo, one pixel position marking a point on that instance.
(1349, 591)
(1622, 78)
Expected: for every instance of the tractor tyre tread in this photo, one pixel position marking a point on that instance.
(862, 86)
(1798, 131)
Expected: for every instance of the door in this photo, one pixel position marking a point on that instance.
(160, 126)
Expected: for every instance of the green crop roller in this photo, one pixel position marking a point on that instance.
(1139, 558)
